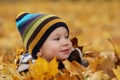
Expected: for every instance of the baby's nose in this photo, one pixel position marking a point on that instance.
(65, 42)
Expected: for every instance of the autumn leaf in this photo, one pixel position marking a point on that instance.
(98, 75)
(93, 64)
(117, 72)
(19, 51)
(53, 68)
(74, 68)
(9, 72)
(42, 69)
(74, 41)
(116, 46)
(14, 73)
(65, 75)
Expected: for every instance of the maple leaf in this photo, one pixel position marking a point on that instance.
(42, 69)
(19, 51)
(65, 75)
(74, 68)
(53, 68)
(93, 64)
(74, 41)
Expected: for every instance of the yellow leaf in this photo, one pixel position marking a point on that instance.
(15, 73)
(74, 68)
(39, 68)
(93, 64)
(19, 51)
(42, 69)
(98, 75)
(53, 68)
(42, 63)
(117, 72)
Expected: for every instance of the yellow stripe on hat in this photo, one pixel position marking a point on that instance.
(42, 31)
(33, 28)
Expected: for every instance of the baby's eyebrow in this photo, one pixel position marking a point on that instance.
(57, 35)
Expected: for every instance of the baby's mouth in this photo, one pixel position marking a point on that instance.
(66, 51)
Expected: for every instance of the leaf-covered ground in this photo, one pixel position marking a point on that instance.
(104, 66)
(95, 23)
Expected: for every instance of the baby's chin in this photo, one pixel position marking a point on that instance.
(63, 58)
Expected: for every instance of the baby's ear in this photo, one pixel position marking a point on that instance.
(39, 54)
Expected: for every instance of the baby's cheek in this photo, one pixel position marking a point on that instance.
(70, 43)
(54, 53)
(71, 47)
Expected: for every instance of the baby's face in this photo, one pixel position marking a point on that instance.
(57, 45)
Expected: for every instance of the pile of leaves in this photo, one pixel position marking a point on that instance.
(104, 66)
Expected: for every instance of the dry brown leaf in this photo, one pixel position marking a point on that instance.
(65, 75)
(74, 41)
(93, 64)
(106, 65)
(74, 68)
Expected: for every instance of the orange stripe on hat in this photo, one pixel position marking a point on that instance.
(39, 35)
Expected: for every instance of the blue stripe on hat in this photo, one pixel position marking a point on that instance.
(25, 18)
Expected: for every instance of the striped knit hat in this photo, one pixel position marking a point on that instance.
(35, 28)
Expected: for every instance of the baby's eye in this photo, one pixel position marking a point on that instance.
(57, 39)
(67, 36)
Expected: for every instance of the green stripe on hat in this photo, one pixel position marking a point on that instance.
(42, 31)
(32, 29)
(29, 26)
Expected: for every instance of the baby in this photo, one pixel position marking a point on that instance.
(45, 35)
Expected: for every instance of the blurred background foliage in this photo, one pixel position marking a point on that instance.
(91, 21)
